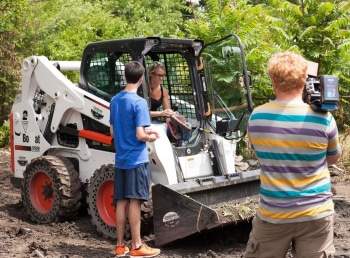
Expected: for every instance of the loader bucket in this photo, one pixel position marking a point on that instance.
(190, 207)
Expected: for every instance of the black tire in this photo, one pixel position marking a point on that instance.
(100, 203)
(51, 189)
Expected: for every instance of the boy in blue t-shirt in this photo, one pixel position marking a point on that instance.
(129, 117)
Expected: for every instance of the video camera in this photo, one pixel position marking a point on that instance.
(321, 93)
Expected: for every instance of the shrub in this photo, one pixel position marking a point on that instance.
(4, 134)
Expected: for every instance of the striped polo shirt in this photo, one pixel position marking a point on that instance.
(291, 143)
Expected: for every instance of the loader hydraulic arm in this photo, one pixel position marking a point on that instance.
(38, 71)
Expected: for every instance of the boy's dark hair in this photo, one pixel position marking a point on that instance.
(133, 71)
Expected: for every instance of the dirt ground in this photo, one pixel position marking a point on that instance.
(21, 238)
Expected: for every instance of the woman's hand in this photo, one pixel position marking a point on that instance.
(167, 112)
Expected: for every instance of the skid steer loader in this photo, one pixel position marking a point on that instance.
(63, 154)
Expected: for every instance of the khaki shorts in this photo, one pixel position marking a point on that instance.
(312, 239)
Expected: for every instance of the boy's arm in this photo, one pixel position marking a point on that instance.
(111, 130)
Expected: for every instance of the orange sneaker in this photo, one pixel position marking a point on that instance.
(121, 250)
(144, 251)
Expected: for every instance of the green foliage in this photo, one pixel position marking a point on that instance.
(11, 17)
(317, 29)
(252, 24)
(150, 17)
(4, 134)
(61, 29)
(70, 26)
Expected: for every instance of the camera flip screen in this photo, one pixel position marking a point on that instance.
(329, 88)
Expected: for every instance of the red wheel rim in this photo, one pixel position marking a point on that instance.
(42, 192)
(104, 203)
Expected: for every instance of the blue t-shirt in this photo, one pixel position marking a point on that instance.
(128, 111)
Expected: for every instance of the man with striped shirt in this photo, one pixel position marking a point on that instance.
(294, 146)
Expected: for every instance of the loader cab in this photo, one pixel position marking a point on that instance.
(104, 74)
(102, 71)
(202, 81)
